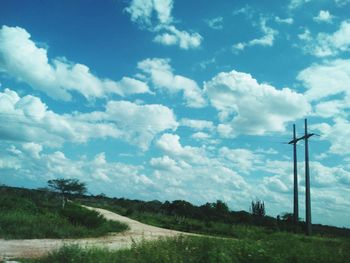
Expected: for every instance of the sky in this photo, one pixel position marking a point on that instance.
(174, 99)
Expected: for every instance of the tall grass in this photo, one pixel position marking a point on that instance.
(278, 248)
(29, 214)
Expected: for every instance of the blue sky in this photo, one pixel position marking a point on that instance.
(173, 99)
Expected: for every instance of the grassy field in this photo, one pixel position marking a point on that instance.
(35, 214)
(38, 214)
(274, 248)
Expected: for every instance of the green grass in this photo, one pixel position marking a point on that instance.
(274, 248)
(32, 214)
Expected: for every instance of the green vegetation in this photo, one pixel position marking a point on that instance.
(67, 186)
(274, 248)
(38, 214)
(210, 218)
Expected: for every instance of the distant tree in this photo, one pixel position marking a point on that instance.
(258, 208)
(221, 207)
(288, 217)
(67, 186)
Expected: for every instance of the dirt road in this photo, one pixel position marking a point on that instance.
(30, 248)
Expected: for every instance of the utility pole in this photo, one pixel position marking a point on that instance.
(295, 169)
(307, 181)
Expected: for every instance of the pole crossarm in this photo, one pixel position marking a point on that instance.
(294, 141)
(301, 138)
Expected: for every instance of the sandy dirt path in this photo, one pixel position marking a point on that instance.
(31, 248)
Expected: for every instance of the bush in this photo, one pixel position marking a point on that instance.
(36, 214)
(78, 215)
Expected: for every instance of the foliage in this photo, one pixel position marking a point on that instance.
(273, 248)
(67, 186)
(258, 208)
(38, 214)
(210, 218)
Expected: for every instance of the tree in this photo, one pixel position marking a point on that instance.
(258, 208)
(67, 186)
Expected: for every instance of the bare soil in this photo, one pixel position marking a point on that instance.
(33, 248)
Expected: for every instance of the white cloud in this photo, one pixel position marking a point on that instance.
(128, 86)
(330, 44)
(275, 184)
(323, 16)
(33, 149)
(201, 136)
(162, 76)
(165, 163)
(326, 79)
(243, 160)
(267, 40)
(22, 59)
(247, 107)
(239, 46)
(288, 20)
(192, 170)
(170, 144)
(216, 23)
(342, 3)
(337, 134)
(142, 12)
(197, 124)
(173, 36)
(28, 119)
(140, 123)
(306, 35)
(112, 178)
(297, 3)
(324, 176)
(332, 108)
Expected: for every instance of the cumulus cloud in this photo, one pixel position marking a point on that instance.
(267, 40)
(326, 79)
(22, 59)
(337, 134)
(172, 36)
(142, 11)
(170, 144)
(140, 123)
(324, 176)
(155, 16)
(112, 178)
(323, 16)
(197, 124)
(29, 119)
(162, 77)
(326, 44)
(247, 107)
(306, 35)
(243, 160)
(184, 166)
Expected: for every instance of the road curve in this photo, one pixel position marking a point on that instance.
(33, 248)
